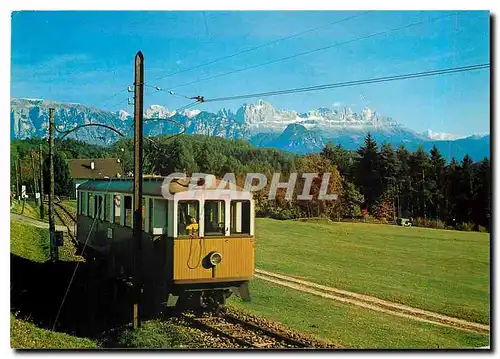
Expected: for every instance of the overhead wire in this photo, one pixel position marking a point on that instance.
(157, 88)
(169, 119)
(314, 50)
(263, 45)
(114, 95)
(119, 103)
(154, 142)
(354, 83)
(65, 133)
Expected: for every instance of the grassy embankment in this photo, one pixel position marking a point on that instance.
(32, 243)
(32, 210)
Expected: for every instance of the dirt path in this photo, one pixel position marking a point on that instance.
(370, 302)
(34, 222)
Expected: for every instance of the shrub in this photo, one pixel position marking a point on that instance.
(429, 223)
(482, 229)
(466, 226)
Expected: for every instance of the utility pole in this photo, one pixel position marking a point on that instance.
(42, 209)
(21, 181)
(35, 185)
(137, 223)
(52, 228)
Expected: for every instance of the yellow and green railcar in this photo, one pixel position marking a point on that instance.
(197, 242)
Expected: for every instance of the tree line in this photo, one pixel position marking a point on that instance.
(419, 185)
(375, 182)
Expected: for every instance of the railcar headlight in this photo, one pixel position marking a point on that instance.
(215, 258)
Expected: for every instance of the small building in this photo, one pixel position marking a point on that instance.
(83, 170)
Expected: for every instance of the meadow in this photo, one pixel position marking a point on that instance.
(439, 270)
(347, 325)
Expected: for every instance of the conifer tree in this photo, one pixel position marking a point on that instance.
(368, 171)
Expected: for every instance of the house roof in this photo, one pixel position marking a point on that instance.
(103, 167)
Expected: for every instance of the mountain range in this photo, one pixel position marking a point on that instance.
(259, 123)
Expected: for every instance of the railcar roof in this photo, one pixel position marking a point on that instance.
(150, 186)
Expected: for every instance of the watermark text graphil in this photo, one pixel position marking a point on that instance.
(301, 183)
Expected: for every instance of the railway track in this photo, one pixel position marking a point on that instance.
(245, 333)
(66, 218)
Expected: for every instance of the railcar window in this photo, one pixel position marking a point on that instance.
(188, 213)
(90, 209)
(102, 208)
(108, 216)
(117, 208)
(240, 217)
(143, 213)
(215, 218)
(160, 214)
(151, 214)
(128, 211)
(85, 203)
(81, 203)
(99, 207)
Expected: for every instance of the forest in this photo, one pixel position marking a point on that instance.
(376, 183)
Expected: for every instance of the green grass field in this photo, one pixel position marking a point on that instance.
(348, 325)
(26, 335)
(439, 270)
(444, 271)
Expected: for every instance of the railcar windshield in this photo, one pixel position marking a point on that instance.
(188, 217)
(215, 218)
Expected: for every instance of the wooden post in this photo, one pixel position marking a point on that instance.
(137, 222)
(35, 184)
(21, 183)
(42, 208)
(54, 255)
(18, 189)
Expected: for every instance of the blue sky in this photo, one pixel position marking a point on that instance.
(86, 57)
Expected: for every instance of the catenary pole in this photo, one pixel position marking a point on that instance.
(42, 208)
(137, 223)
(52, 228)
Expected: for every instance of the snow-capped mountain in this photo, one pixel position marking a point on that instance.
(441, 136)
(30, 118)
(259, 123)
